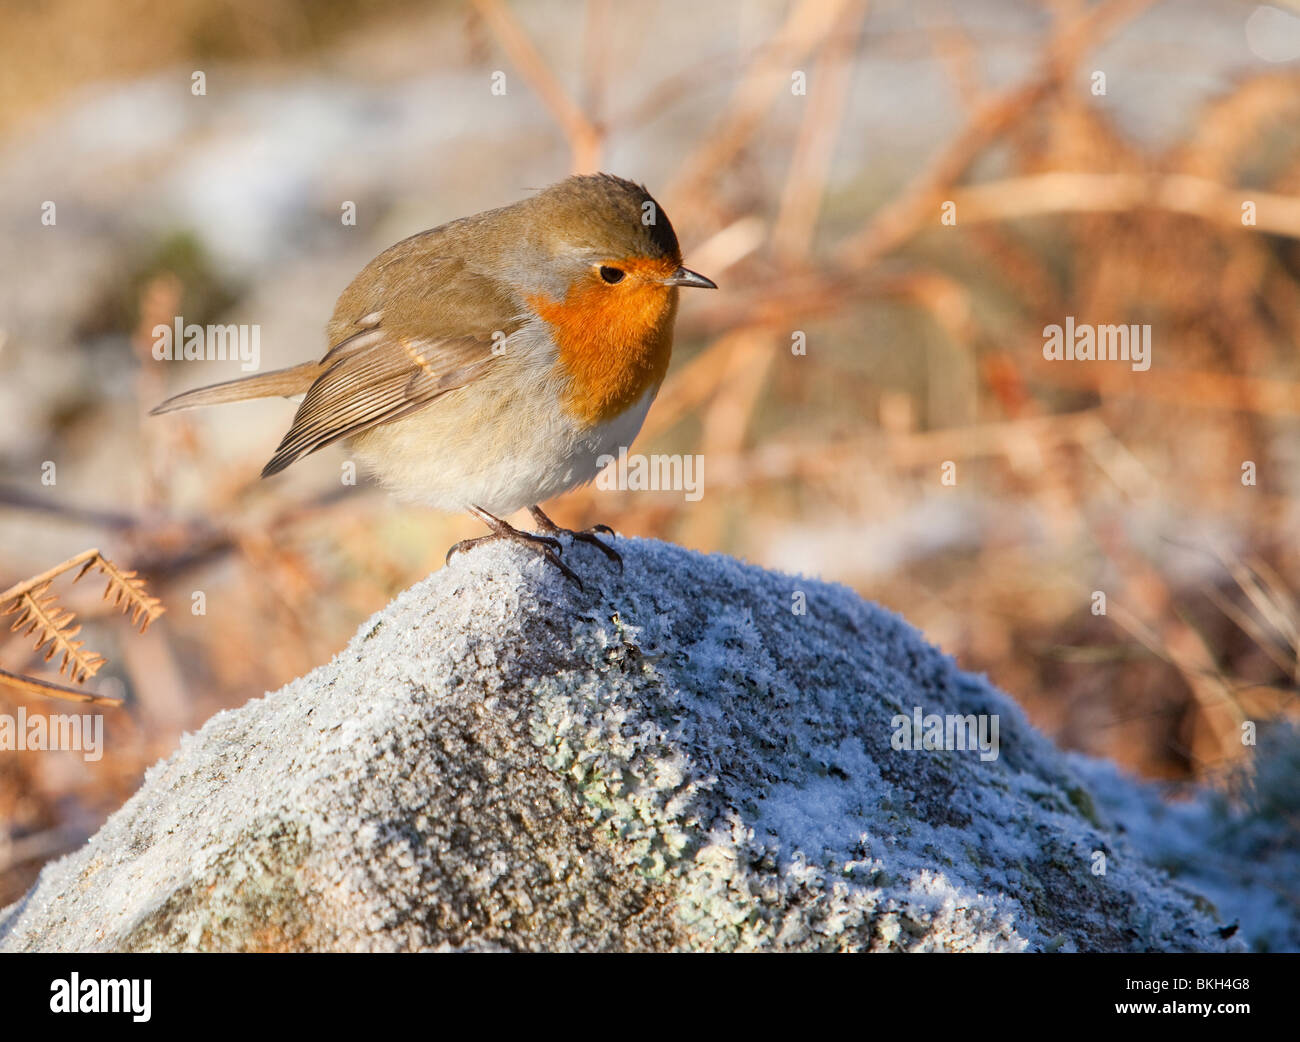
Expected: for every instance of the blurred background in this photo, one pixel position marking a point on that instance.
(1120, 161)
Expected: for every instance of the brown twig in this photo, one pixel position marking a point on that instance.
(805, 182)
(49, 689)
(584, 136)
(918, 206)
(1064, 192)
(807, 25)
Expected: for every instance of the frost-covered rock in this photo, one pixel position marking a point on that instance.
(695, 754)
(1238, 846)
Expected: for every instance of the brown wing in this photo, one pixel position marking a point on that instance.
(410, 328)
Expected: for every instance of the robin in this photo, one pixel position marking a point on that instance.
(485, 365)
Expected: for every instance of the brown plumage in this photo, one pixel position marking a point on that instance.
(489, 363)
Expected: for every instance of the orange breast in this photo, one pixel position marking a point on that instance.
(614, 342)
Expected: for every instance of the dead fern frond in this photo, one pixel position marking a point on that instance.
(126, 590)
(40, 615)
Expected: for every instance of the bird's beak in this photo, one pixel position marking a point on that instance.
(686, 277)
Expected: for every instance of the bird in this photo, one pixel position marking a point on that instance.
(486, 365)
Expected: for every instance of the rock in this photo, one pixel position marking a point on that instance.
(676, 758)
(1237, 844)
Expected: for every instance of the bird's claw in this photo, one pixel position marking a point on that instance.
(588, 536)
(550, 547)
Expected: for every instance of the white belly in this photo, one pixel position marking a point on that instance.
(493, 448)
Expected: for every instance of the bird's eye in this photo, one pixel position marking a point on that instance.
(611, 275)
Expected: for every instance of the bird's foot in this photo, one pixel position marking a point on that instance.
(587, 536)
(549, 547)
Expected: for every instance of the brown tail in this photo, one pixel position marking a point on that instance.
(278, 383)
